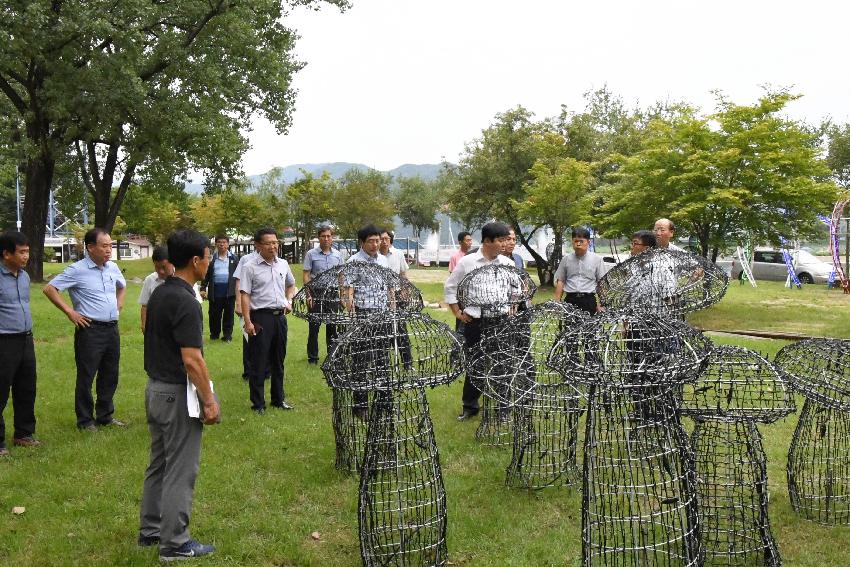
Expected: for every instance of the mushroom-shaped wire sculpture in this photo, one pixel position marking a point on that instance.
(663, 281)
(738, 388)
(342, 296)
(819, 456)
(492, 294)
(638, 488)
(402, 510)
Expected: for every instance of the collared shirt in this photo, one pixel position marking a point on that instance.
(455, 259)
(15, 314)
(174, 321)
(237, 273)
(395, 260)
(370, 295)
(518, 261)
(467, 264)
(580, 273)
(92, 288)
(379, 259)
(266, 282)
(671, 246)
(221, 273)
(316, 261)
(152, 281)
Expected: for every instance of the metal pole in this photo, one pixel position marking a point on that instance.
(18, 196)
(50, 213)
(847, 245)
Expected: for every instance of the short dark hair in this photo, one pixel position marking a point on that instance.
(390, 234)
(93, 234)
(462, 235)
(184, 245)
(258, 236)
(367, 231)
(493, 230)
(647, 238)
(222, 237)
(581, 232)
(160, 253)
(324, 228)
(11, 240)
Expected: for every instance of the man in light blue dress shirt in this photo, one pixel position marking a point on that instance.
(97, 290)
(316, 261)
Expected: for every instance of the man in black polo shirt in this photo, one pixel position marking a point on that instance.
(173, 355)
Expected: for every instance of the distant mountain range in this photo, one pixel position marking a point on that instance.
(292, 173)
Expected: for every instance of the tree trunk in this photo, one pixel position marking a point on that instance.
(38, 179)
(543, 271)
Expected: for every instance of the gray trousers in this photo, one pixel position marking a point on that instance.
(175, 459)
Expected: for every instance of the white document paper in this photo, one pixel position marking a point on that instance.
(193, 405)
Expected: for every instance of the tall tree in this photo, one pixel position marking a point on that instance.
(139, 87)
(743, 169)
(838, 154)
(493, 172)
(309, 201)
(363, 197)
(417, 202)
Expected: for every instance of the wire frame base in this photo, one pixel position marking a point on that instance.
(402, 511)
(639, 488)
(349, 416)
(496, 428)
(819, 465)
(731, 470)
(545, 439)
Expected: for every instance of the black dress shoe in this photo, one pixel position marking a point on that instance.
(147, 541)
(283, 406)
(259, 411)
(467, 414)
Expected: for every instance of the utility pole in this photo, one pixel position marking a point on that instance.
(18, 196)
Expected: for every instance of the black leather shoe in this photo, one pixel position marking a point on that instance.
(147, 541)
(467, 414)
(283, 406)
(259, 411)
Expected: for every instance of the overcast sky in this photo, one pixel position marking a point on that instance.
(390, 82)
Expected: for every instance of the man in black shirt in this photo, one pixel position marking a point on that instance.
(174, 361)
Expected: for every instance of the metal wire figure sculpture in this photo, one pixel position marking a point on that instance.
(402, 502)
(345, 295)
(546, 406)
(738, 388)
(639, 487)
(663, 281)
(493, 293)
(819, 456)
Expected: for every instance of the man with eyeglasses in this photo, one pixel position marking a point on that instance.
(266, 289)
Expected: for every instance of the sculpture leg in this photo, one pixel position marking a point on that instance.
(349, 419)
(402, 513)
(732, 491)
(638, 493)
(819, 465)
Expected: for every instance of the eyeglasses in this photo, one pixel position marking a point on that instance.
(270, 243)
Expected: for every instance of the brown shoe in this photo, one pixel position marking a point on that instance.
(28, 441)
(4, 452)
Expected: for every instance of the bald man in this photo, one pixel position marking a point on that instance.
(665, 231)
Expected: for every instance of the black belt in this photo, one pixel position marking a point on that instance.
(103, 323)
(275, 312)
(15, 335)
(579, 294)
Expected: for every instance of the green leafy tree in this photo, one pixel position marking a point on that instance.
(139, 88)
(838, 154)
(417, 203)
(234, 211)
(310, 201)
(743, 169)
(363, 197)
(493, 172)
(558, 196)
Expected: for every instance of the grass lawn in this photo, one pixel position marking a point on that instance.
(268, 482)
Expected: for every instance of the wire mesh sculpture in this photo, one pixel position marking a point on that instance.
(492, 294)
(819, 456)
(545, 406)
(663, 281)
(738, 388)
(345, 295)
(402, 502)
(639, 487)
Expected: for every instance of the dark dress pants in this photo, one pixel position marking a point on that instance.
(97, 351)
(221, 317)
(267, 349)
(17, 373)
(585, 301)
(313, 340)
(472, 335)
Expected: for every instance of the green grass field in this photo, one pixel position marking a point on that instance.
(268, 482)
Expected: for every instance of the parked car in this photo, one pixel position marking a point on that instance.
(768, 264)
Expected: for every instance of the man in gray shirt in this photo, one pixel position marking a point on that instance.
(316, 261)
(578, 273)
